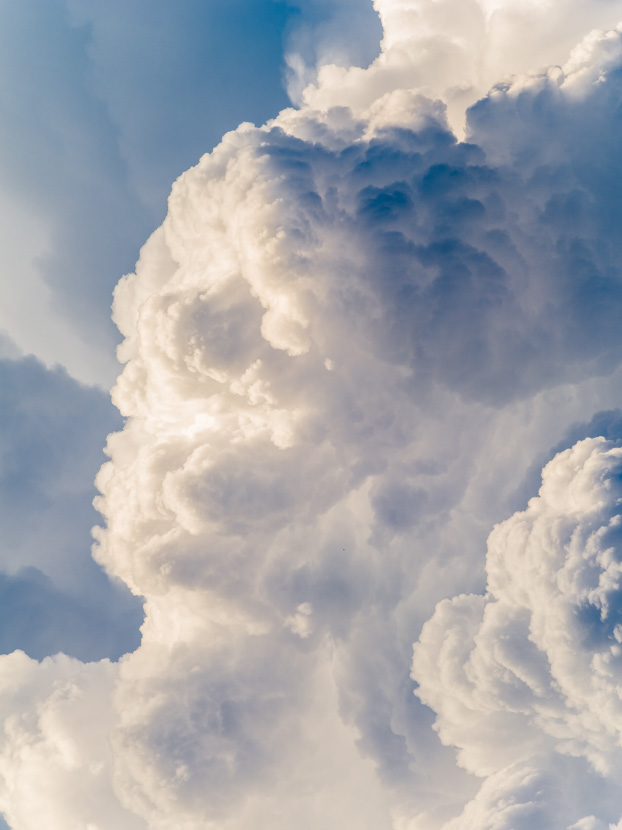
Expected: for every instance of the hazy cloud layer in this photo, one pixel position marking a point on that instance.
(344, 349)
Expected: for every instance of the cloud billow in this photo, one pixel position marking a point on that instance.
(527, 676)
(344, 347)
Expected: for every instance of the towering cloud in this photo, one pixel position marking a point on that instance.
(344, 349)
(457, 49)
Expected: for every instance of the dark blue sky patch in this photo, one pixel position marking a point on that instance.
(52, 430)
(39, 619)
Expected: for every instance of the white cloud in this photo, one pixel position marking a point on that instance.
(56, 760)
(530, 671)
(344, 348)
(457, 49)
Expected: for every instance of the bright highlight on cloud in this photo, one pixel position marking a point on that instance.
(345, 347)
(456, 50)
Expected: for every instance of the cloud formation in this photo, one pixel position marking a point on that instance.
(344, 347)
(457, 51)
(527, 675)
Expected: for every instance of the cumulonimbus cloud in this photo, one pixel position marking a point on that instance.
(341, 348)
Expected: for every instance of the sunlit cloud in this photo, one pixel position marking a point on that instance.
(349, 351)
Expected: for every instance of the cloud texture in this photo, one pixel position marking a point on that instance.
(529, 673)
(344, 348)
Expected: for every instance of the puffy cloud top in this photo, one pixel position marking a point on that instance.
(457, 49)
(530, 671)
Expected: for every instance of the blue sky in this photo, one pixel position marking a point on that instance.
(362, 489)
(103, 109)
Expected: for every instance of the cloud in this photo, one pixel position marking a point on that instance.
(344, 348)
(528, 673)
(457, 50)
(55, 749)
(346, 33)
(375, 269)
(8, 349)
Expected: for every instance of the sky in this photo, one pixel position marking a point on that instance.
(310, 415)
